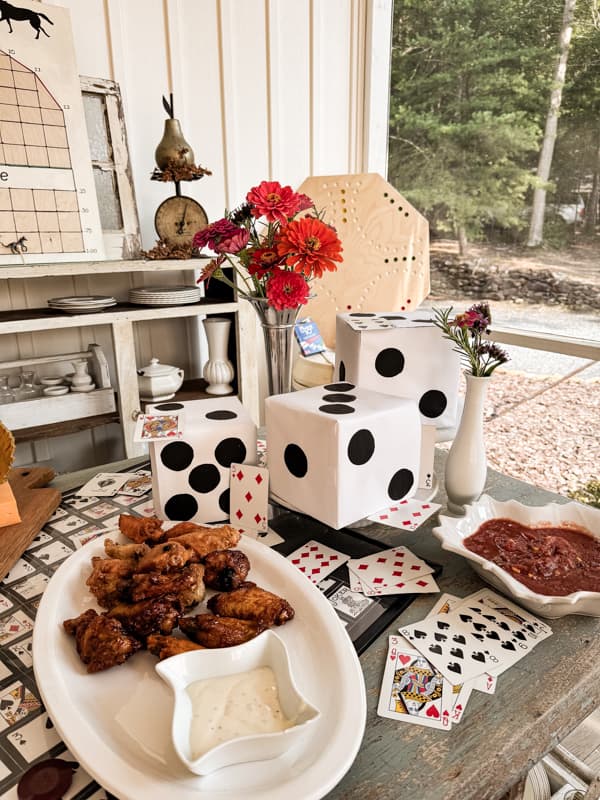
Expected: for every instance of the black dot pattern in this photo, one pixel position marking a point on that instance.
(396, 316)
(181, 507)
(389, 362)
(337, 408)
(221, 415)
(229, 451)
(224, 501)
(169, 406)
(339, 387)
(204, 478)
(401, 484)
(433, 403)
(362, 314)
(295, 460)
(361, 447)
(177, 456)
(339, 398)
(342, 371)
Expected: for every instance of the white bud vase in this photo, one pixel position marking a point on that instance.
(466, 465)
(218, 371)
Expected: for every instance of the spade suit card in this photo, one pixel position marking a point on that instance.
(105, 484)
(532, 627)
(316, 560)
(249, 497)
(413, 690)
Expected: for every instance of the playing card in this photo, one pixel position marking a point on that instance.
(461, 694)
(149, 427)
(269, 537)
(354, 581)
(423, 585)
(316, 560)
(389, 568)
(412, 689)
(249, 497)
(105, 484)
(533, 627)
(136, 485)
(428, 437)
(407, 515)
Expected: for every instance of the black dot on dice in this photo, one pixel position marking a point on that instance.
(361, 447)
(204, 478)
(362, 314)
(177, 456)
(169, 406)
(181, 507)
(389, 362)
(229, 451)
(433, 403)
(295, 460)
(401, 484)
(337, 408)
(339, 387)
(221, 415)
(339, 398)
(342, 375)
(224, 501)
(395, 316)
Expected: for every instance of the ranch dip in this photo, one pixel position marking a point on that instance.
(226, 708)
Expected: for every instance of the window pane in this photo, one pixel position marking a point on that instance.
(97, 127)
(108, 199)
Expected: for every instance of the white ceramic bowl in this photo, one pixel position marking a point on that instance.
(55, 391)
(267, 649)
(47, 380)
(453, 530)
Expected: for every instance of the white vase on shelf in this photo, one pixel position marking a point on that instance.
(218, 371)
(466, 465)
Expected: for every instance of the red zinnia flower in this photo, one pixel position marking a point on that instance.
(309, 246)
(286, 289)
(263, 260)
(234, 242)
(275, 202)
(214, 233)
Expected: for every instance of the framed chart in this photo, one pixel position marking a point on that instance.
(48, 206)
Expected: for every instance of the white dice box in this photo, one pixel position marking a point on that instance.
(339, 453)
(190, 476)
(403, 354)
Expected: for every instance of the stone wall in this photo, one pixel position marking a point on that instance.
(455, 277)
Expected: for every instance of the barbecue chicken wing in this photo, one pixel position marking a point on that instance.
(167, 646)
(141, 529)
(225, 570)
(158, 615)
(125, 551)
(110, 579)
(166, 557)
(206, 540)
(186, 585)
(252, 603)
(185, 527)
(212, 631)
(101, 642)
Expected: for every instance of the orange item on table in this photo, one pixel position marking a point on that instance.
(9, 513)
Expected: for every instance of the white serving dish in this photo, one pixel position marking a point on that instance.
(266, 650)
(157, 382)
(56, 391)
(46, 380)
(453, 530)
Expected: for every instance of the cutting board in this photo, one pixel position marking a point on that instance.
(36, 505)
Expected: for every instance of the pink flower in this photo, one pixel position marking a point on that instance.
(214, 233)
(304, 202)
(286, 289)
(275, 202)
(476, 318)
(234, 243)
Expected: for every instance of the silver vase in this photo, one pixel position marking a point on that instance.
(278, 332)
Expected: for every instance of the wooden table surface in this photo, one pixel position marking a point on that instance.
(537, 702)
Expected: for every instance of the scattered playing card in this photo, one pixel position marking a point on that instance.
(428, 437)
(136, 485)
(316, 560)
(149, 427)
(269, 537)
(423, 585)
(105, 484)
(407, 515)
(412, 689)
(249, 497)
(389, 569)
(533, 627)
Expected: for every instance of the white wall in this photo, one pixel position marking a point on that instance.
(263, 89)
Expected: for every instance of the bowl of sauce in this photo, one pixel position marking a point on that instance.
(546, 557)
(235, 704)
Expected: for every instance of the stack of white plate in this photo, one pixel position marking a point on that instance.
(164, 295)
(82, 305)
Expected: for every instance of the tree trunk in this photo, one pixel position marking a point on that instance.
(536, 227)
(591, 212)
(463, 244)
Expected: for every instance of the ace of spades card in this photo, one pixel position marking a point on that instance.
(249, 497)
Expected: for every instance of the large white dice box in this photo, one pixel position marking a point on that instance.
(339, 453)
(403, 354)
(190, 476)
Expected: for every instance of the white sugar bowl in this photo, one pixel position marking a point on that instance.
(158, 381)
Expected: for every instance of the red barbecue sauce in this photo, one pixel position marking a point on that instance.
(549, 559)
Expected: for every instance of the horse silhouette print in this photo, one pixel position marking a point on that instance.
(16, 14)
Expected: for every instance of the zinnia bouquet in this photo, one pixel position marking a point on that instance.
(466, 331)
(275, 252)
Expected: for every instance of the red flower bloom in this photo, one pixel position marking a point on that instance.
(309, 246)
(275, 202)
(263, 260)
(286, 289)
(233, 243)
(214, 233)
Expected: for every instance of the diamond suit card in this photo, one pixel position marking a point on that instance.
(249, 497)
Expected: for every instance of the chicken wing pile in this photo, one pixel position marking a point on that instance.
(146, 588)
